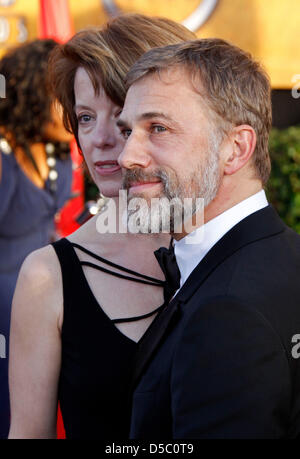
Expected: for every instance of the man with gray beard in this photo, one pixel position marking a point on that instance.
(172, 210)
(219, 361)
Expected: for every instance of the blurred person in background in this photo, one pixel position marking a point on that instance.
(83, 303)
(35, 175)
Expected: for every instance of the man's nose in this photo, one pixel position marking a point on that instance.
(134, 153)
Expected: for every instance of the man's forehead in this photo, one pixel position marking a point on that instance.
(155, 92)
(160, 80)
(148, 85)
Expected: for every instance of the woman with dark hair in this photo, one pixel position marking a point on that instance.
(90, 297)
(35, 175)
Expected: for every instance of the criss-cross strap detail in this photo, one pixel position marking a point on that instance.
(144, 279)
(140, 278)
(121, 276)
(144, 316)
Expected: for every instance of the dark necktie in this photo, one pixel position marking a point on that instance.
(167, 261)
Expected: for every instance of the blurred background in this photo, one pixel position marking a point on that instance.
(269, 29)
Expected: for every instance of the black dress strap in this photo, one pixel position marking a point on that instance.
(121, 276)
(144, 316)
(152, 280)
(69, 262)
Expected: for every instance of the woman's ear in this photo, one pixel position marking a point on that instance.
(242, 146)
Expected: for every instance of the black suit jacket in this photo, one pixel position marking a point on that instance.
(218, 362)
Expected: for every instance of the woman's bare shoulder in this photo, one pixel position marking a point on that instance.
(42, 265)
(39, 285)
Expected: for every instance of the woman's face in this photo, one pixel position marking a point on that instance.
(99, 137)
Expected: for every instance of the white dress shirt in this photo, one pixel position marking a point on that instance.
(190, 250)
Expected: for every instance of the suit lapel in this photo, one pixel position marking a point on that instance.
(153, 337)
(262, 224)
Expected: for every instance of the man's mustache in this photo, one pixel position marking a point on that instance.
(138, 175)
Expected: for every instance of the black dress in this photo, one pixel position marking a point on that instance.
(97, 358)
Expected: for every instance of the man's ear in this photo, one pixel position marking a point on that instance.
(242, 146)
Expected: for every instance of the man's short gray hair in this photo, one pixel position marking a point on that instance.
(232, 83)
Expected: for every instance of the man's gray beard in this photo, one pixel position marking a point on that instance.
(176, 191)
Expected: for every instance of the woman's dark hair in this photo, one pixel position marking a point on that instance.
(26, 109)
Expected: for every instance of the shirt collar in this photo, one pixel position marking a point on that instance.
(190, 250)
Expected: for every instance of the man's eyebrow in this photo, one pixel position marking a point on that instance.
(144, 116)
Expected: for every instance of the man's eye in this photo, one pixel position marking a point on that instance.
(125, 133)
(158, 128)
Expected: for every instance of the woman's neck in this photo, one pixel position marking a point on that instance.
(113, 219)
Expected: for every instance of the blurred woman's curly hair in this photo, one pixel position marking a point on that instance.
(26, 109)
